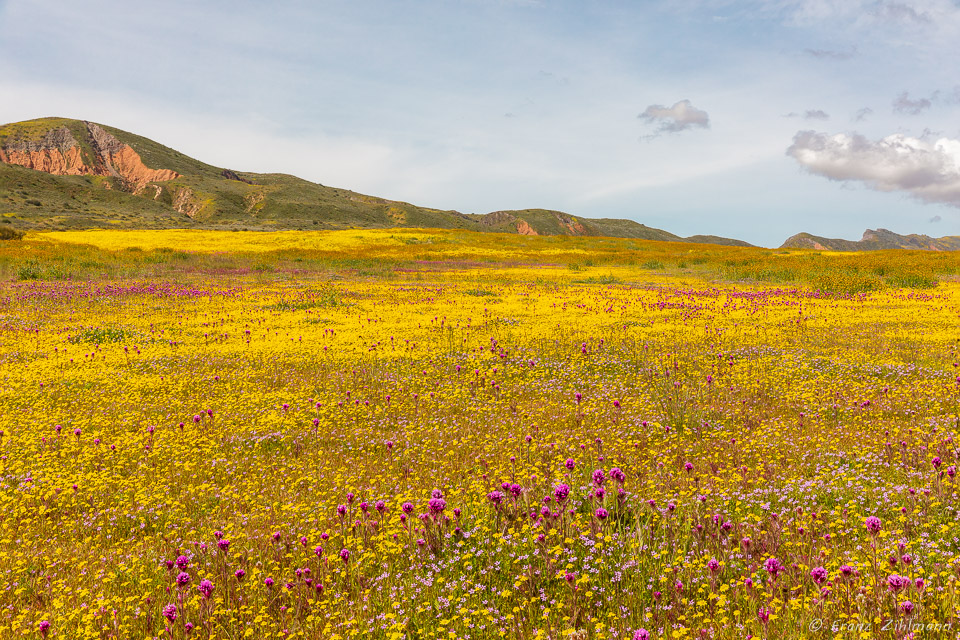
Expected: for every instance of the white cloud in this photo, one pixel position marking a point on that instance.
(681, 116)
(928, 171)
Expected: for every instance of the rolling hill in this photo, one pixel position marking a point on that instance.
(58, 173)
(873, 240)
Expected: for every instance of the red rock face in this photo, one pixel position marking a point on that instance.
(524, 229)
(68, 162)
(60, 154)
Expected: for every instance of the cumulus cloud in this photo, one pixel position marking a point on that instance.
(903, 104)
(680, 117)
(935, 219)
(928, 171)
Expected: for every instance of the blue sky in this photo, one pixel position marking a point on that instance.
(754, 120)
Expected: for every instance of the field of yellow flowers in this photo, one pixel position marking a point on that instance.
(426, 435)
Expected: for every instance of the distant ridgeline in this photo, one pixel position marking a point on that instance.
(874, 241)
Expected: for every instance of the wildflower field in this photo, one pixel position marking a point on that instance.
(407, 434)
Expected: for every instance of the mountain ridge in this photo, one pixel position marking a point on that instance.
(873, 240)
(60, 173)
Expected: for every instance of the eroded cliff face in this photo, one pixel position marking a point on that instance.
(524, 229)
(59, 153)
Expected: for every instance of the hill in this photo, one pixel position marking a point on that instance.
(873, 240)
(57, 173)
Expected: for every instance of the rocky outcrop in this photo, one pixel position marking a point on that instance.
(572, 225)
(525, 229)
(121, 161)
(232, 175)
(496, 218)
(253, 202)
(60, 153)
(185, 202)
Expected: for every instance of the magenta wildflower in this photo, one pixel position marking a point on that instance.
(570, 464)
(873, 525)
(598, 477)
(206, 588)
(407, 508)
(773, 567)
(170, 612)
(437, 505)
(641, 634)
(183, 579)
(713, 565)
(561, 492)
(601, 514)
(239, 574)
(345, 556)
(819, 575)
(618, 475)
(906, 607)
(44, 628)
(897, 583)
(495, 497)
(223, 544)
(268, 583)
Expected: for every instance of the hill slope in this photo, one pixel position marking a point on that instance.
(874, 240)
(57, 173)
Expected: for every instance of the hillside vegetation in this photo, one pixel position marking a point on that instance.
(202, 196)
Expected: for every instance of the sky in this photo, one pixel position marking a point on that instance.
(748, 119)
